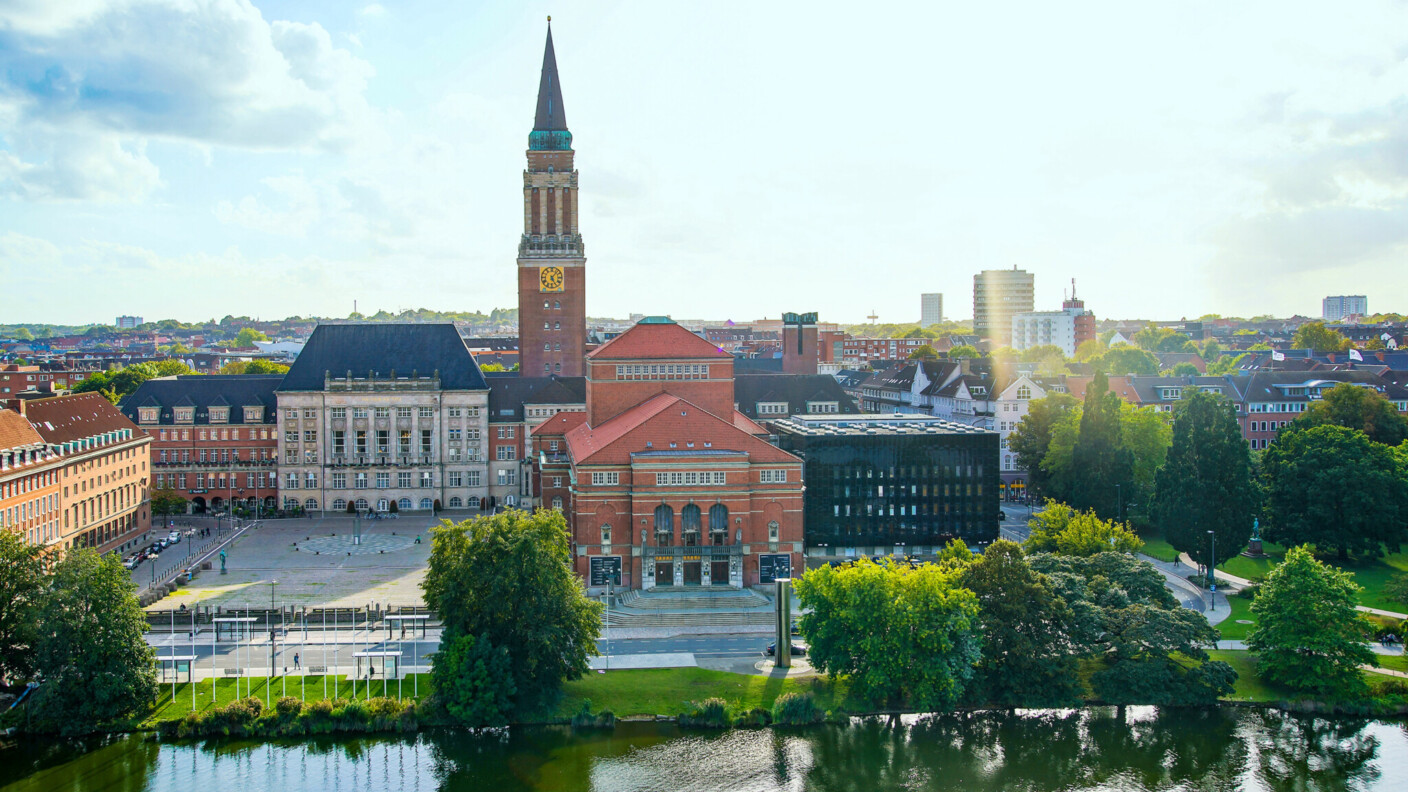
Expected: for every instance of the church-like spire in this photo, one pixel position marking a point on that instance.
(551, 115)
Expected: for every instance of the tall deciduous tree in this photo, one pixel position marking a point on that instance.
(474, 681)
(902, 635)
(1062, 530)
(1359, 408)
(1308, 635)
(1206, 482)
(1316, 336)
(1029, 650)
(1101, 464)
(508, 578)
(94, 665)
(1334, 488)
(1123, 359)
(22, 585)
(1032, 439)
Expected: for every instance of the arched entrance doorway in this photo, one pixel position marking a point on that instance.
(198, 505)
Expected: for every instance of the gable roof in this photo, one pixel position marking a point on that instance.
(384, 348)
(16, 432)
(794, 389)
(203, 391)
(66, 418)
(657, 338)
(508, 393)
(653, 424)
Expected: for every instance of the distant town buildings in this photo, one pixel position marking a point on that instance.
(1067, 328)
(1334, 309)
(998, 295)
(931, 309)
(128, 322)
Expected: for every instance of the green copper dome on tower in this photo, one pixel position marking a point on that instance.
(550, 125)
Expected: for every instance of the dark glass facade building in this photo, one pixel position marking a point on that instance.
(893, 484)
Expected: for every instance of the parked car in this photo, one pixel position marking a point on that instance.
(154, 550)
(174, 537)
(797, 649)
(132, 561)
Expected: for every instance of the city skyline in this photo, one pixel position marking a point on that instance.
(291, 158)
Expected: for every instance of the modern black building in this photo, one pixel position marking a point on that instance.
(893, 484)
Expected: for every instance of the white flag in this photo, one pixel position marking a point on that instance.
(1354, 355)
(1278, 355)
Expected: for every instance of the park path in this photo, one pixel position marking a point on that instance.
(1241, 582)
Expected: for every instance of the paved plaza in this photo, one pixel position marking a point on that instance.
(314, 562)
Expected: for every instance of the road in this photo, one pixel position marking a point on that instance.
(177, 556)
(1014, 522)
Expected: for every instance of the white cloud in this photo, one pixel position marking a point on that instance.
(297, 207)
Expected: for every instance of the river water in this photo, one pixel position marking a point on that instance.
(1139, 748)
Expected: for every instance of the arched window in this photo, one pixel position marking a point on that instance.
(606, 534)
(718, 524)
(427, 503)
(689, 525)
(404, 503)
(289, 503)
(664, 526)
(557, 325)
(311, 504)
(772, 531)
(339, 505)
(456, 502)
(557, 305)
(557, 502)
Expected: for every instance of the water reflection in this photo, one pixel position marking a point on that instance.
(1130, 748)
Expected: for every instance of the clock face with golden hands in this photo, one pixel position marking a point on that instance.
(550, 279)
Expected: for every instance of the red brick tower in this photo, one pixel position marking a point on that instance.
(552, 264)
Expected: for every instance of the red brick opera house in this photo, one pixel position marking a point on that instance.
(662, 480)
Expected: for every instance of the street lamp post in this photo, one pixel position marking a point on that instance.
(1212, 564)
(1119, 503)
(273, 586)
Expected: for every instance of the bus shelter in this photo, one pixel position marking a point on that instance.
(238, 627)
(379, 663)
(416, 623)
(176, 665)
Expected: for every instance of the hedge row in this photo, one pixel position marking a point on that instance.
(291, 717)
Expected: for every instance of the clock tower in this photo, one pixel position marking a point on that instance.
(552, 318)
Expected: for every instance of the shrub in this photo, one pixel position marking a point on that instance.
(709, 714)
(1249, 592)
(795, 709)
(755, 717)
(288, 707)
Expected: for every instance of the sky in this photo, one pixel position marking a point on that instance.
(197, 158)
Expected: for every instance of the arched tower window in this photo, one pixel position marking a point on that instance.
(718, 524)
(690, 525)
(664, 526)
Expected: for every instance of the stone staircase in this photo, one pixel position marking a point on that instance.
(692, 599)
(690, 607)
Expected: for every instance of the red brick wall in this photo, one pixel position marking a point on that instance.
(793, 363)
(572, 317)
(608, 397)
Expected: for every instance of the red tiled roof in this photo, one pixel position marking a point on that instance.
(1120, 386)
(741, 421)
(560, 424)
(66, 418)
(660, 421)
(647, 341)
(15, 431)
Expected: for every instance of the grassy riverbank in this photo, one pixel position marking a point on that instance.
(308, 689)
(663, 691)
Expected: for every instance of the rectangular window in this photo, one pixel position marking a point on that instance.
(290, 437)
(471, 478)
(310, 435)
(427, 480)
(361, 442)
(455, 434)
(383, 441)
(403, 412)
(383, 481)
(454, 412)
(310, 481)
(339, 442)
(506, 452)
(291, 481)
(607, 479)
(361, 481)
(338, 412)
(310, 415)
(383, 412)
(456, 478)
(425, 441)
(339, 481)
(472, 433)
(359, 412)
(403, 442)
(403, 479)
(427, 412)
(773, 476)
(690, 478)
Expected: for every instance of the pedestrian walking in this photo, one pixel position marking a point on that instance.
(295, 661)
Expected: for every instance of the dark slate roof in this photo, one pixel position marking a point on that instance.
(508, 394)
(795, 389)
(551, 115)
(767, 365)
(202, 391)
(1263, 385)
(850, 378)
(384, 348)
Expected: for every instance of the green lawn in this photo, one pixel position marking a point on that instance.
(1241, 611)
(1394, 662)
(1249, 685)
(1373, 574)
(1156, 547)
(663, 691)
(307, 688)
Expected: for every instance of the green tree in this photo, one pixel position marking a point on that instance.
(920, 332)
(170, 368)
(1228, 364)
(902, 635)
(94, 665)
(1032, 438)
(1322, 339)
(1308, 635)
(925, 352)
(507, 578)
(1029, 658)
(473, 679)
(489, 367)
(23, 334)
(1356, 407)
(166, 502)
(1122, 360)
(965, 351)
(1206, 483)
(1146, 432)
(1100, 461)
(1184, 369)
(1062, 530)
(1090, 350)
(1334, 488)
(248, 336)
(22, 586)
(1165, 339)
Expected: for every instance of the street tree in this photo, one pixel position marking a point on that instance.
(1090, 350)
(1334, 488)
(925, 352)
(93, 663)
(1100, 461)
(473, 680)
(1032, 437)
(1206, 482)
(1124, 360)
(1147, 434)
(903, 636)
(247, 337)
(1356, 407)
(167, 502)
(1308, 635)
(1062, 530)
(22, 586)
(1316, 336)
(966, 351)
(508, 579)
(1029, 655)
(1184, 369)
